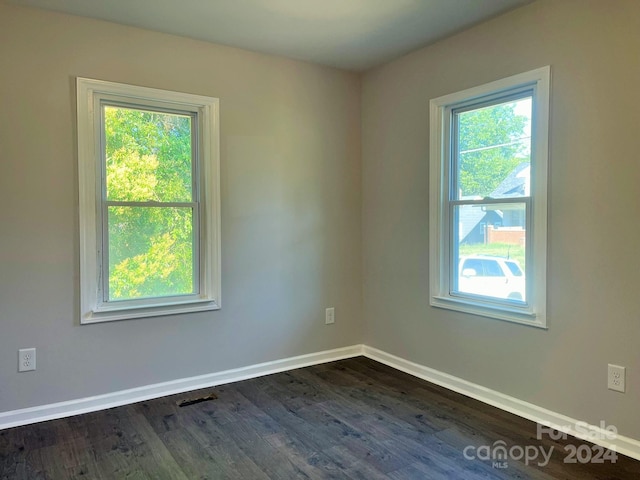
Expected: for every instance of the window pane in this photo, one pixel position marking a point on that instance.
(515, 268)
(494, 150)
(490, 250)
(148, 155)
(150, 252)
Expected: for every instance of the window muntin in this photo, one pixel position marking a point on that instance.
(149, 201)
(488, 199)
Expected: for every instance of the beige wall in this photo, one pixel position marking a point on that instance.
(291, 210)
(593, 48)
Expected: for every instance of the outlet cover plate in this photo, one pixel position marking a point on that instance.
(26, 359)
(616, 378)
(330, 316)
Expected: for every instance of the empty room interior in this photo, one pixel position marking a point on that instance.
(349, 239)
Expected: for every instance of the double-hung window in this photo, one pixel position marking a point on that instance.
(148, 167)
(488, 199)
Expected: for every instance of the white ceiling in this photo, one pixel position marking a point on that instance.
(350, 34)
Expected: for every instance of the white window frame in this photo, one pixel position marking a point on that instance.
(90, 96)
(533, 312)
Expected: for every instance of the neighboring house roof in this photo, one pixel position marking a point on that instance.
(516, 183)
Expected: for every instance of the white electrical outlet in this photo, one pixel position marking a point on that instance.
(26, 359)
(615, 378)
(330, 316)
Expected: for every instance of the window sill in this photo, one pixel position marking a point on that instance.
(127, 313)
(499, 312)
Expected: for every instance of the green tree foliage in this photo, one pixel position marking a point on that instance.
(148, 159)
(482, 168)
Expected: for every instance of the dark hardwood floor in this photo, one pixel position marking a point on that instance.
(352, 419)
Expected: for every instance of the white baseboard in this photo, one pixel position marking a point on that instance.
(592, 433)
(52, 411)
(621, 444)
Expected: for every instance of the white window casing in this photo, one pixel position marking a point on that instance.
(533, 311)
(91, 94)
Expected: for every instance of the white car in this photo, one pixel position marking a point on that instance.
(490, 276)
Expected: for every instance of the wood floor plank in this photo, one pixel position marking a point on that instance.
(204, 431)
(380, 456)
(202, 460)
(272, 462)
(150, 452)
(312, 461)
(417, 446)
(354, 468)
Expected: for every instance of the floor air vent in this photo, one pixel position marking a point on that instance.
(193, 401)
